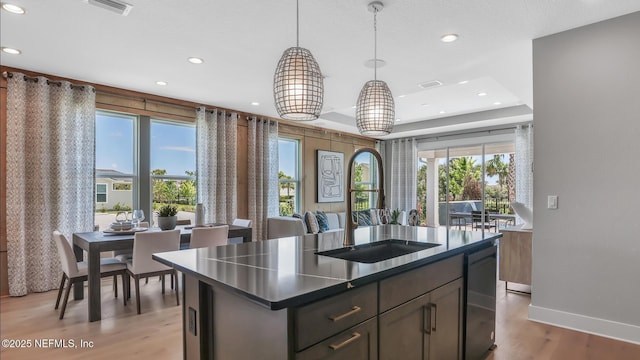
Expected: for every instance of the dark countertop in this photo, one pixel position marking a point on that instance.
(286, 272)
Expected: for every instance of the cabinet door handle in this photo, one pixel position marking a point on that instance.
(426, 319)
(355, 336)
(353, 310)
(433, 313)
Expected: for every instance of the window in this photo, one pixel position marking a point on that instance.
(173, 166)
(121, 186)
(365, 177)
(289, 176)
(142, 163)
(101, 193)
(455, 181)
(115, 165)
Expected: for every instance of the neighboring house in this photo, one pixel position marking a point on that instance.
(112, 188)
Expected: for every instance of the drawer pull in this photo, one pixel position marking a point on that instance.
(354, 310)
(355, 336)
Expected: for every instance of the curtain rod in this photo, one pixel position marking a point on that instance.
(214, 110)
(35, 79)
(488, 132)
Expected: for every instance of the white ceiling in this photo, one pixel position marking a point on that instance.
(241, 42)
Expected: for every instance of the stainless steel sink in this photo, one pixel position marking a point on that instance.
(377, 251)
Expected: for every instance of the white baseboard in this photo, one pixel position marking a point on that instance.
(601, 327)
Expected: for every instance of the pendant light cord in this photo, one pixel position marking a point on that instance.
(375, 44)
(297, 23)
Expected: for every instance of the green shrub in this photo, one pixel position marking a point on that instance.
(167, 210)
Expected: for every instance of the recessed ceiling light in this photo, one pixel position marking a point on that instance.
(449, 38)
(463, 82)
(11, 51)
(353, 107)
(13, 8)
(401, 96)
(425, 104)
(442, 112)
(255, 103)
(398, 120)
(162, 83)
(195, 60)
(482, 94)
(497, 103)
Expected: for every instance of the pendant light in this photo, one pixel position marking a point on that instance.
(298, 89)
(375, 109)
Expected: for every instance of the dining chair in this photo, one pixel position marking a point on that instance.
(78, 271)
(124, 255)
(239, 222)
(142, 265)
(209, 236)
(478, 223)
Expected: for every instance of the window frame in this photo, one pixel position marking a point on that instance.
(296, 176)
(106, 193)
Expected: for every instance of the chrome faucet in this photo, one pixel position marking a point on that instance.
(350, 225)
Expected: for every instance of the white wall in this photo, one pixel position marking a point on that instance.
(586, 254)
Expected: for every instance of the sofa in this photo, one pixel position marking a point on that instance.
(283, 226)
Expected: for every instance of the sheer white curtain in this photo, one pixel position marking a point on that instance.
(403, 174)
(216, 164)
(50, 175)
(524, 165)
(262, 173)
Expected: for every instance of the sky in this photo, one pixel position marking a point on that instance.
(172, 146)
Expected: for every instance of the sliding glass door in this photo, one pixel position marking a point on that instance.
(466, 187)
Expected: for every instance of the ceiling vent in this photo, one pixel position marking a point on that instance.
(119, 7)
(429, 84)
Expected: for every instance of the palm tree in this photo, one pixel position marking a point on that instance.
(497, 167)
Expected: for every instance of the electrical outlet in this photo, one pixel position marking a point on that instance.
(552, 202)
(192, 321)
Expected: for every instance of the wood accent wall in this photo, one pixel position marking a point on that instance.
(311, 140)
(121, 100)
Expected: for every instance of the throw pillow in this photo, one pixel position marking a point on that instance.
(385, 216)
(375, 219)
(414, 219)
(312, 222)
(364, 217)
(323, 221)
(304, 223)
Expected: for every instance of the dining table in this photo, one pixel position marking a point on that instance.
(96, 242)
(460, 216)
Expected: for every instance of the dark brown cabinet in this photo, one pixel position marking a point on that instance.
(427, 327)
(357, 343)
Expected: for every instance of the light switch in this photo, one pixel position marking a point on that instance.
(552, 202)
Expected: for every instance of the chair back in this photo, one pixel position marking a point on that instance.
(147, 243)
(476, 216)
(65, 252)
(209, 236)
(242, 222)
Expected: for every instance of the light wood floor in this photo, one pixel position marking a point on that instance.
(157, 332)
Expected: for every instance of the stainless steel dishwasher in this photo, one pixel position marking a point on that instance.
(480, 310)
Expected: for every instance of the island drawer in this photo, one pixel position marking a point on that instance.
(357, 343)
(324, 318)
(411, 284)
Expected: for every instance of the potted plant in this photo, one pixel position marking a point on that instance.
(167, 217)
(394, 217)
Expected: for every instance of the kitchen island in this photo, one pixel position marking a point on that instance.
(278, 299)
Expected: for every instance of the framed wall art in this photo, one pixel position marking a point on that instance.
(330, 174)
